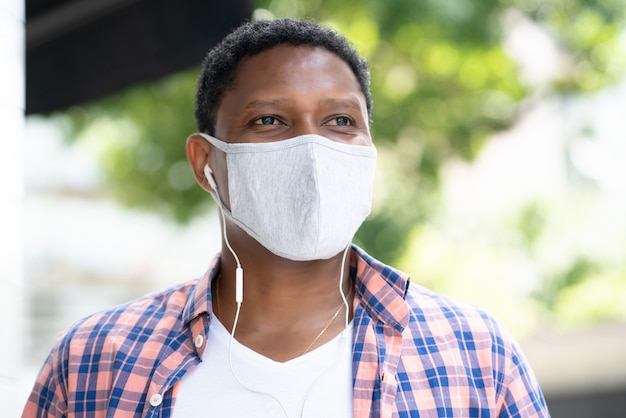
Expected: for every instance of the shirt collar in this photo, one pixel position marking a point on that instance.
(199, 301)
(381, 288)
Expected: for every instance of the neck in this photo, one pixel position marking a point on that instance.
(286, 303)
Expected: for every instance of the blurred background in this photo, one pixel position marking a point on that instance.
(501, 131)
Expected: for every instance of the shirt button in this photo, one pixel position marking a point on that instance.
(199, 340)
(156, 399)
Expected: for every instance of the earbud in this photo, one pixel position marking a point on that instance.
(208, 173)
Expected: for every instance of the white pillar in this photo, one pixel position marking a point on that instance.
(11, 201)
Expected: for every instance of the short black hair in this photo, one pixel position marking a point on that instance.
(251, 38)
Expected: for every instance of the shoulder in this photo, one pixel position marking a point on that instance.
(453, 334)
(434, 308)
(457, 325)
(445, 335)
(98, 346)
(134, 320)
(454, 346)
(456, 333)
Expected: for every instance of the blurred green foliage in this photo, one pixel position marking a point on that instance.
(140, 136)
(442, 85)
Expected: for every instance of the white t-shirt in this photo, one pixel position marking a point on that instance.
(316, 384)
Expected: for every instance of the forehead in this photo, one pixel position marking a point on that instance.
(282, 54)
(293, 67)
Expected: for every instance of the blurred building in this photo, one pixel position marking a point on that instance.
(582, 372)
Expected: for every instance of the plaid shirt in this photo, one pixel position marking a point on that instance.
(415, 354)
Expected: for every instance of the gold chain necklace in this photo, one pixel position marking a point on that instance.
(332, 319)
(327, 325)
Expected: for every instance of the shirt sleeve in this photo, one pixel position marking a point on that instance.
(521, 395)
(48, 397)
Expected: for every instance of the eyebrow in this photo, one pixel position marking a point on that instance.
(288, 102)
(269, 103)
(340, 102)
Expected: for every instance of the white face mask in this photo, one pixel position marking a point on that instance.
(301, 198)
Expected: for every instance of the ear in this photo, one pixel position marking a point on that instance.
(198, 151)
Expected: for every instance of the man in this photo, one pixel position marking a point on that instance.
(290, 319)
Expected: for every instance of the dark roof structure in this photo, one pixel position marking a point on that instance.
(80, 50)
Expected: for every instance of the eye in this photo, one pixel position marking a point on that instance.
(266, 120)
(340, 121)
